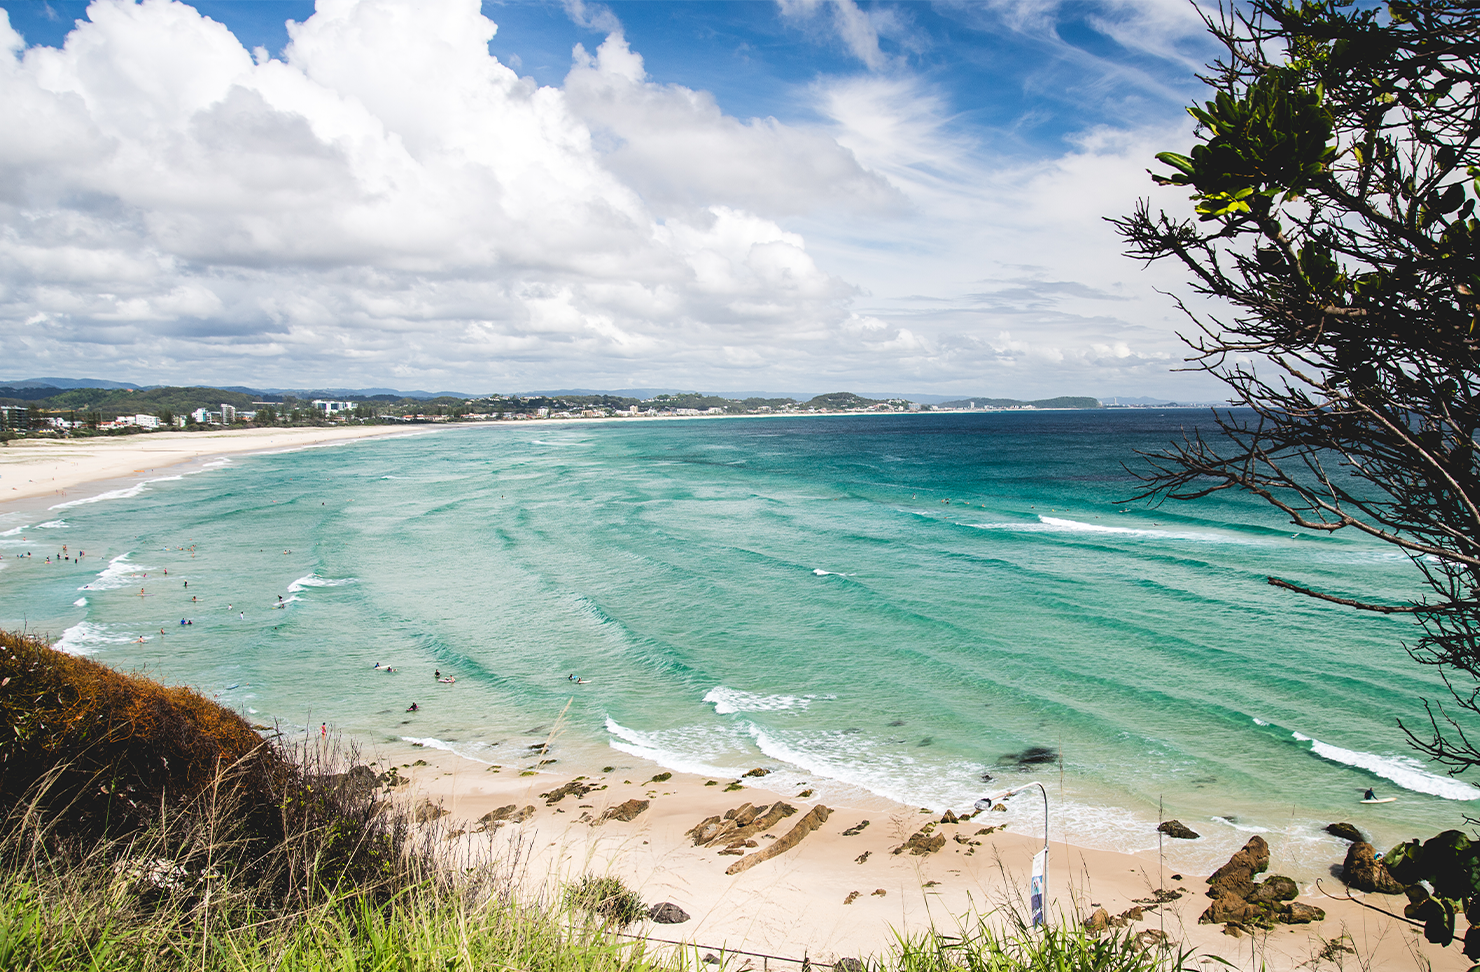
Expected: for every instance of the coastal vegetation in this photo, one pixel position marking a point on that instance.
(1336, 182)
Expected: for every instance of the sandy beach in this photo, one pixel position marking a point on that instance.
(846, 890)
(32, 468)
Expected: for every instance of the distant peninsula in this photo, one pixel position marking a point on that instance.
(33, 408)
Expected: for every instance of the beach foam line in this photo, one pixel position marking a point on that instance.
(727, 701)
(127, 493)
(667, 748)
(472, 751)
(1405, 771)
(52, 525)
(80, 602)
(86, 638)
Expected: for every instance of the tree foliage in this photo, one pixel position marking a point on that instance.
(1335, 184)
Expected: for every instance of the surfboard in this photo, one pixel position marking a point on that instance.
(1382, 800)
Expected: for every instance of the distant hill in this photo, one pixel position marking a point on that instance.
(72, 383)
(1063, 401)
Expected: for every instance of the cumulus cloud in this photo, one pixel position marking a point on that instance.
(387, 192)
(387, 203)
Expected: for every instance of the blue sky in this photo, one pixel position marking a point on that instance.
(800, 195)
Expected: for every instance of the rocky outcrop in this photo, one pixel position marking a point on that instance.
(668, 913)
(574, 788)
(1177, 829)
(625, 812)
(922, 842)
(427, 811)
(739, 824)
(758, 771)
(815, 818)
(1363, 871)
(1345, 831)
(1238, 900)
(856, 829)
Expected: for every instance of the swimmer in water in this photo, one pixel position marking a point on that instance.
(437, 674)
(413, 707)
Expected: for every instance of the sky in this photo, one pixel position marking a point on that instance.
(796, 196)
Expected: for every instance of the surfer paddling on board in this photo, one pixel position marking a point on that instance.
(1369, 795)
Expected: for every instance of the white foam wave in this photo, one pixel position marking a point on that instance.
(727, 701)
(14, 531)
(692, 749)
(118, 573)
(314, 580)
(127, 493)
(1242, 828)
(1258, 721)
(52, 525)
(477, 752)
(829, 573)
(86, 637)
(1405, 771)
(80, 602)
(1054, 524)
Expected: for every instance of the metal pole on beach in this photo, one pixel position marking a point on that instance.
(1038, 886)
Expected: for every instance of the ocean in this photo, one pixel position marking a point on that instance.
(874, 607)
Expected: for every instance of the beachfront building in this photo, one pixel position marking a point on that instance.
(141, 420)
(15, 417)
(228, 414)
(330, 408)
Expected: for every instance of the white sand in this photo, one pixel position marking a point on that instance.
(31, 468)
(795, 904)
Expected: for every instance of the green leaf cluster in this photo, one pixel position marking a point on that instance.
(1441, 877)
(1273, 138)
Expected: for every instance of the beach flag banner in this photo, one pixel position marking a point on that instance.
(1035, 887)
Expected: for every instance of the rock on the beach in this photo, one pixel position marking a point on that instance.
(1274, 888)
(522, 815)
(574, 788)
(1177, 829)
(1296, 913)
(495, 817)
(1228, 908)
(758, 771)
(668, 913)
(848, 965)
(949, 818)
(1237, 876)
(427, 811)
(1363, 871)
(625, 812)
(922, 842)
(1098, 921)
(815, 818)
(1345, 831)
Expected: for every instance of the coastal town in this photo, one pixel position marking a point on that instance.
(98, 411)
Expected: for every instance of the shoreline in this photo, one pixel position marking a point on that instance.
(822, 899)
(32, 469)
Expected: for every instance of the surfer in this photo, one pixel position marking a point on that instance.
(437, 674)
(413, 707)
(1369, 795)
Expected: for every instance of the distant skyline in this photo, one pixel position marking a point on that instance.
(711, 195)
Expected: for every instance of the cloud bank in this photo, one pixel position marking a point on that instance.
(386, 203)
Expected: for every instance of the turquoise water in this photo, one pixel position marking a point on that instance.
(877, 606)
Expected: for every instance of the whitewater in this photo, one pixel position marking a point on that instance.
(874, 607)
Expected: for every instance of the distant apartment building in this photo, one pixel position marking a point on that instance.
(228, 414)
(141, 420)
(15, 417)
(332, 408)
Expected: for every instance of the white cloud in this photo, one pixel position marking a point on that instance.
(388, 203)
(388, 187)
